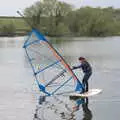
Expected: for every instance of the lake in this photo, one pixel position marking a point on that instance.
(20, 102)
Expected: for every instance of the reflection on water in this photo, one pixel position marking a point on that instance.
(87, 112)
(37, 110)
(68, 111)
(53, 108)
(82, 103)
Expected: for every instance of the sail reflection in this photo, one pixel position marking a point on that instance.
(41, 100)
(83, 103)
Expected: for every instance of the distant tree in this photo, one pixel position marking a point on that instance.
(52, 10)
(34, 13)
(89, 21)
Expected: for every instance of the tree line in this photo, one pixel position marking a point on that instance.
(55, 18)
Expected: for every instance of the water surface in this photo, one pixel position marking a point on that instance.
(18, 101)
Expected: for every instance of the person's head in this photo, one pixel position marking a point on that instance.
(81, 59)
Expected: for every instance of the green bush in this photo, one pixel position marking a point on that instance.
(8, 29)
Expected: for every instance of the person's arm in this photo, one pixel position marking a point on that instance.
(76, 67)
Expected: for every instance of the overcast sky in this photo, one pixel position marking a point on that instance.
(9, 7)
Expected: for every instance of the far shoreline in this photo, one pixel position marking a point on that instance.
(24, 33)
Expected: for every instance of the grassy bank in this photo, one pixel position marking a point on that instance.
(10, 26)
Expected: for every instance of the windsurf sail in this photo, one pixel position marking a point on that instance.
(52, 73)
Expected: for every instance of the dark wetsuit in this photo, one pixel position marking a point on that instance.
(87, 70)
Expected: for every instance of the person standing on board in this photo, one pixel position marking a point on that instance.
(87, 70)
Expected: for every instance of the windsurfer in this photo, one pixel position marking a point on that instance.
(87, 70)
